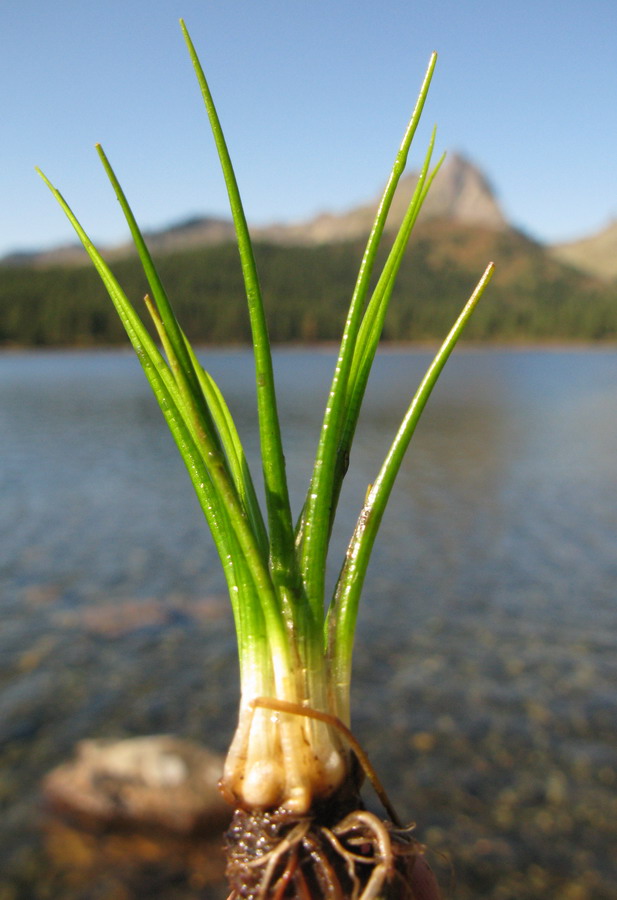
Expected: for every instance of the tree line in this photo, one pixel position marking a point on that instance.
(307, 290)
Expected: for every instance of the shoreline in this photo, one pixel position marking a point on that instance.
(463, 346)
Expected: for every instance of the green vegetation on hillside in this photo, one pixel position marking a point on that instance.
(533, 297)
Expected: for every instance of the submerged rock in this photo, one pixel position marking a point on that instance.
(157, 782)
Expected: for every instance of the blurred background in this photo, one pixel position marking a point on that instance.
(314, 98)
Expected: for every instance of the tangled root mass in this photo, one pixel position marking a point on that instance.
(279, 856)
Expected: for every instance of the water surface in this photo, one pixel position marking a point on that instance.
(485, 667)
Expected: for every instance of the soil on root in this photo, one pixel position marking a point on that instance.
(326, 856)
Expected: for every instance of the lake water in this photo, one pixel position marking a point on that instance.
(486, 662)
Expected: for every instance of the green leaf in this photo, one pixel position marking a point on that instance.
(237, 546)
(341, 619)
(273, 460)
(374, 316)
(332, 456)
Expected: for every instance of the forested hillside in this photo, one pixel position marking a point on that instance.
(307, 289)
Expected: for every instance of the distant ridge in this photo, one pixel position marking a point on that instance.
(196, 231)
(595, 254)
(460, 193)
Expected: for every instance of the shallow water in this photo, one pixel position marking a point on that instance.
(486, 660)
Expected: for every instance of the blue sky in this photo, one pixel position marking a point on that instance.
(314, 96)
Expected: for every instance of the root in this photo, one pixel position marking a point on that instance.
(276, 856)
(337, 851)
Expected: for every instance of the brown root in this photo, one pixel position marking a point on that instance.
(279, 856)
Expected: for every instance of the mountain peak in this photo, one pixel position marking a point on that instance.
(463, 193)
(460, 193)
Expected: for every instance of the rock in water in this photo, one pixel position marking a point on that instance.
(159, 782)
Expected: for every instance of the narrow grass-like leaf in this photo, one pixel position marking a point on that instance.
(373, 320)
(215, 491)
(156, 371)
(273, 461)
(332, 458)
(341, 619)
(234, 451)
(224, 428)
(159, 294)
(170, 332)
(374, 316)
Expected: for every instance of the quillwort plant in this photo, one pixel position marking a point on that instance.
(293, 770)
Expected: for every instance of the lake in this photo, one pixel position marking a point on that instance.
(486, 661)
